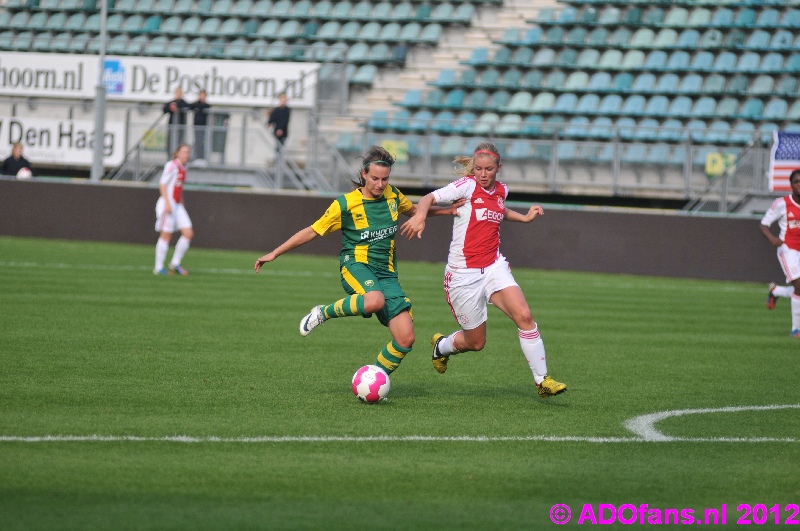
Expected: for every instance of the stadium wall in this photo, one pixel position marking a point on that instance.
(577, 239)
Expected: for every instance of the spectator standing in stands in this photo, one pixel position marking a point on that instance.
(15, 163)
(786, 211)
(176, 125)
(279, 121)
(200, 108)
(477, 273)
(171, 214)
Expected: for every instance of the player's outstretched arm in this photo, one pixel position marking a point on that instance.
(533, 212)
(416, 224)
(302, 237)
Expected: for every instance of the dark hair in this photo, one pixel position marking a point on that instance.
(795, 173)
(375, 155)
(466, 165)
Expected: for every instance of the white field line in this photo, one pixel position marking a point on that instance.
(300, 273)
(643, 426)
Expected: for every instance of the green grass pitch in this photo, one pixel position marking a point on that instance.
(94, 345)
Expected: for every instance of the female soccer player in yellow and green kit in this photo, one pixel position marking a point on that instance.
(367, 217)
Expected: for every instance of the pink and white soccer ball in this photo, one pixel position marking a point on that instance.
(24, 173)
(371, 384)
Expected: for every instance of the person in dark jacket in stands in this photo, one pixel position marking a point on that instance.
(200, 108)
(176, 125)
(16, 163)
(279, 121)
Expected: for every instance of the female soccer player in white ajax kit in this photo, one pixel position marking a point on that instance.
(786, 211)
(476, 272)
(171, 214)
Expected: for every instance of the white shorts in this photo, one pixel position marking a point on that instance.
(790, 262)
(179, 219)
(468, 290)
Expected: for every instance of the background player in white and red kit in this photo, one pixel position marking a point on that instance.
(171, 214)
(786, 211)
(476, 272)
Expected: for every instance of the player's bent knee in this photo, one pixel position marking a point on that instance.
(374, 301)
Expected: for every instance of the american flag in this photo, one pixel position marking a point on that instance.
(785, 158)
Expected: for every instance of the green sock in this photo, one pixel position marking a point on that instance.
(352, 305)
(390, 357)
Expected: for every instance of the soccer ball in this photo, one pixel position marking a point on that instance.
(371, 384)
(24, 173)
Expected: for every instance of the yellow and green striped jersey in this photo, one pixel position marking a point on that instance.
(368, 227)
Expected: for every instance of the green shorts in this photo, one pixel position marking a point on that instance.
(358, 278)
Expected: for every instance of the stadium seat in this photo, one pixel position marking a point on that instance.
(752, 109)
(666, 38)
(745, 18)
(677, 16)
(696, 130)
(722, 17)
(364, 75)
(601, 128)
(588, 104)
(771, 62)
(786, 85)
(727, 107)
(793, 63)
(680, 107)
(454, 99)
(633, 59)
(710, 39)
(794, 111)
(489, 77)
(634, 105)
(644, 83)
(714, 83)
(688, 39)
(678, 60)
(511, 78)
(632, 16)
(668, 83)
(655, 60)
(776, 109)
(653, 16)
(566, 103)
(588, 58)
(702, 61)
(656, 106)
(577, 127)
(620, 37)
(742, 133)
(622, 81)
(768, 18)
(566, 57)
(41, 42)
(554, 80)
(725, 62)
(576, 81)
(597, 37)
(670, 131)
(60, 42)
(532, 79)
(610, 104)
(476, 100)
(748, 62)
(762, 84)
(691, 83)
(600, 81)
(704, 107)
(699, 16)
(543, 101)
(610, 59)
(79, 43)
(544, 57)
(520, 102)
(443, 122)
(738, 83)
(509, 125)
(609, 15)
(302, 9)
(19, 20)
(576, 37)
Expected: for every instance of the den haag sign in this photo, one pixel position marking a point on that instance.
(60, 142)
(153, 79)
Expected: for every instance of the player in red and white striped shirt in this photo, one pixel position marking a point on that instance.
(786, 211)
(171, 214)
(476, 273)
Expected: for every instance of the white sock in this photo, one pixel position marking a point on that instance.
(533, 348)
(795, 312)
(180, 249)
(447, 345)
(783, 291)
(162, 246)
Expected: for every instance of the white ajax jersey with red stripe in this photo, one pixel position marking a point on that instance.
(476, 230)
(786, 212)
(173, 177)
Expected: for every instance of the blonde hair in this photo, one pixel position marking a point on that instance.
(177, 149)
(466, 165)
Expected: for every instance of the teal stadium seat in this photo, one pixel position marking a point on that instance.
(382, 11)
(230, 27)
(622, 82)
(282, 9)
(619, 38)
(443, 122)
(680, 107)
(486, 123)
(577, 127)
(786, 85)
(727, 107)
(699, 16)
(23, 41)
(289, 30)
(666, 38)
(794, 111)
(597, 37)
(771, 62)
(124, 6)
(752, 109)
(411, 32)
(702, 61)
(611, 59)
(725, 62)
(379, 53)
(711, 38)
(171, 25)
(602, 128)
(56, 22)
(222, 7)
(19, 20)
(520, 102)
(634, 105)
(748, 62)
(678, 60)
(768, 18)
(469, 78)
(157, 46)
(696, 131)
(41, 42)
(688, 39)
(357, 53)
(588, 58)
(566, 103)
(184, 7)
(133, 24)
(576, 37)
(554, 35)
(742, 133)
(443, 12)
(302, 10)
(745, 18)
(576, 81)
(670, 131)
(653, 16)
(544, 57)
(600, 81)
(521, 57)
(60, 42)
(403, 11)
(79, 43)
(190, 26)
(210, 27)
(776, 109)
(511, 78)
(341, 10)
(554, 80)
(588, 104)
(532, 79)
(532, 125)
(643, 38)
(691, 83)
(738, 83)
(656, 106)
(431, 34)
(610, 104)
(791, 18)
(567, 57)
(632, 16)
(38, 21)
(704, 107)
(781, 40)
(609, 15)
(164, 6)
(262, 8)
(543, 102)
(499, 99)
(722, 17)
(792, 64)
(656, 60)
(668, 83)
